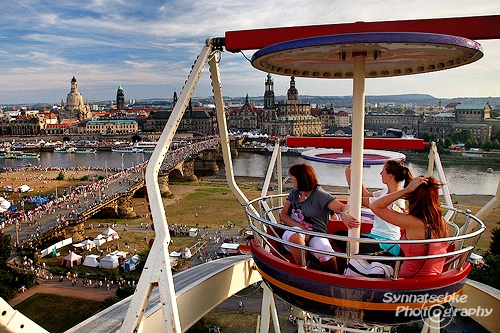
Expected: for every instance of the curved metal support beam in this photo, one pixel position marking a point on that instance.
(492, 204)
(157, 270)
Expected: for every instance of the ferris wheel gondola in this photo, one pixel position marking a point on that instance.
(359, 300)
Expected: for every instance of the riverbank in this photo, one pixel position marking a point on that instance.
(487, 158)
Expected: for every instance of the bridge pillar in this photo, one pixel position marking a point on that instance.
(207, 161)
(125, 208)
(75, 231)
(233, 146)
(163, 184)
(188, 171)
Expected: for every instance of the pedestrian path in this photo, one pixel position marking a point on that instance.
(65, 288)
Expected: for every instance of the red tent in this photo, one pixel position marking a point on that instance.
(72, 259)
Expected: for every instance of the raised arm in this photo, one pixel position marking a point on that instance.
(365, 194)
(403, 220)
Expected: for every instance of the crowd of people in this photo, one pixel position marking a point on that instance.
(75, 199)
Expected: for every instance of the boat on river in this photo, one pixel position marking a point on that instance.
(127, 150)
(286, 151)
(146, 146)
(85, 151)
(7, 155)
(25, 155)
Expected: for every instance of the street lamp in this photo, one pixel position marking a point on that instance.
(122, 161)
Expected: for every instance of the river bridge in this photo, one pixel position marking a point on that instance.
(114, 195)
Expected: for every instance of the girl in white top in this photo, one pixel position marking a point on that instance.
(393, 174)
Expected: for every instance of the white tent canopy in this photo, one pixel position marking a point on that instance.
(91, 260)
(109, 262)
(23, 189)
(4, 205)
(99, 240)
(186, 253)
(86, 244)
(110, 234)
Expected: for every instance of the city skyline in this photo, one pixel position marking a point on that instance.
(148, 48)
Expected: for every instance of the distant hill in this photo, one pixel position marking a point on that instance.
(420, 99)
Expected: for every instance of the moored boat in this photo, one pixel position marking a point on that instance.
(287, 151)
(127, 150)
(85, 151)
(24, 155)
(146, 146)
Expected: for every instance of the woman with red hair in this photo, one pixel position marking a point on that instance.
(308, 207)
(422, 220)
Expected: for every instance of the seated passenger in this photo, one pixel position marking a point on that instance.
(308, 207)
(423, 220)
(393, 174)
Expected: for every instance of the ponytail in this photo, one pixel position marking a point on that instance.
(408, 176)
(399, 171)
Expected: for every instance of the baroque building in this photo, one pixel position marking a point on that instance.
(379, 122)
(199, 120)
(243, 119)
(108, 127)
(74, 108)
(290, 117)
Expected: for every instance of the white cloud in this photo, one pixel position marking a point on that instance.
(150, 46)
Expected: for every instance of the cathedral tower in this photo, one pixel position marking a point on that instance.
(293, 93)
(120, 99)
(269, 93)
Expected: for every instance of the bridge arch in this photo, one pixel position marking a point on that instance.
(175, 174)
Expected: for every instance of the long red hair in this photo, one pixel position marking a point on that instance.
(424, 204)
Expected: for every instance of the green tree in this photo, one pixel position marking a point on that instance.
(496, 136)
(125, 291)
(495, 241)
(5, 250)
(490, 273)
(462, 136)
(488, 145)
(496, 144)
(60, 176)
(427, 137)
(448, 142)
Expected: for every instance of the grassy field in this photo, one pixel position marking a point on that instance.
(57, 313)
(236, 322)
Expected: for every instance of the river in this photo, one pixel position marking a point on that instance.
(461, 178)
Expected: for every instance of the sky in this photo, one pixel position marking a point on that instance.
(149, 46)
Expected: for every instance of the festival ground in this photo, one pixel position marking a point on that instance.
(178, 209)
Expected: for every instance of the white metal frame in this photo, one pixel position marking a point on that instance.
(157, 271)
